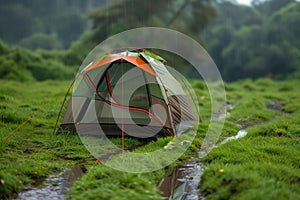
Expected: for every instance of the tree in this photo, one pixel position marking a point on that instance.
(16, 22)
(247, 42)
(190, 17)
(20, 19)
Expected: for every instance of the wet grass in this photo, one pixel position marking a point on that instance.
(264, 164)
(33, 152)
(104, 183)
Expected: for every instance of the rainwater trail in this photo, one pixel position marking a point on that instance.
(54, 187)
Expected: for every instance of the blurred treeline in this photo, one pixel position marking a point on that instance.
(251, 42)
(49, 39)
(44, 24)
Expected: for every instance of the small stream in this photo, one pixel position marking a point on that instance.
(183, 183)
(54, 187)
(50, 189)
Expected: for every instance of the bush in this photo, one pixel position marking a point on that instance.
(10, 70)
(23, 65)
(41, 41)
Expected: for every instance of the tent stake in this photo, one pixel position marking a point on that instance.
(16, 129)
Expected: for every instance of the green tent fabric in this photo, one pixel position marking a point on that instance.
(135, 88)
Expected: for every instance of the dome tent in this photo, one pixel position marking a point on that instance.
(133, 92)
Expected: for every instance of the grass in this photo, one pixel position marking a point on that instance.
(104, 183)
(33, 152)
(266, 163)
(263, 165)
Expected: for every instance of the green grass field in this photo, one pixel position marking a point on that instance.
(263, 165)
(266, 163)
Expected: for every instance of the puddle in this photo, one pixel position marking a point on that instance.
(54, 187)
(50, 189)
(240, 134)
(276, 105)
(183, 182)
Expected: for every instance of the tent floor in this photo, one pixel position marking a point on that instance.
(112, 130)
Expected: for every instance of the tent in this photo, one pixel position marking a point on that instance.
(131, 91)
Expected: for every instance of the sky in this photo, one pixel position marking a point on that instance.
(247, 2)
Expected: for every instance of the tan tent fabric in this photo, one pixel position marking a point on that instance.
(113, 90)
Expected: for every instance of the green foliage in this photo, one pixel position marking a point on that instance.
(20, 21)
(244, 41)
(16, 22)
(23, 65)
(10, 70)
(190, 17)
(79, 50)
(258, 41)
(41, 41)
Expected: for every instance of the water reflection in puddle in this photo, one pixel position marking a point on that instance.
(183, 182)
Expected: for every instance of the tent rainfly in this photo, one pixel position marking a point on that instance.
(133, 92)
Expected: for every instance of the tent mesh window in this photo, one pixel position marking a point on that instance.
(121, 77)
(124, 84)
